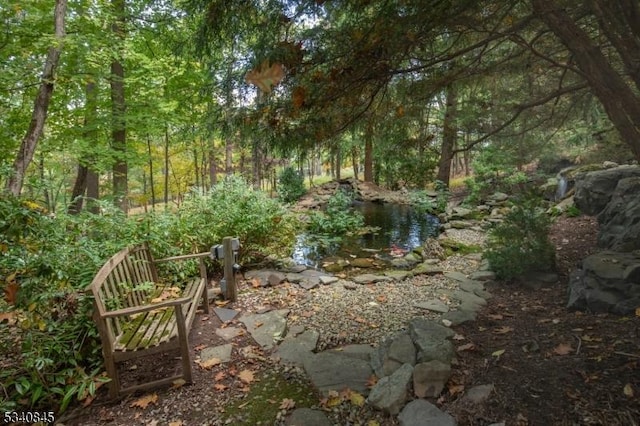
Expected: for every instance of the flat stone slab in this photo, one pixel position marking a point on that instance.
(307, 417)
(223, 353)
(456, 276)
(478, 394)
(420, 412)
(434, 305)
(229, 333)
(369, 278)
(397, 275)
(328, 279)
(362, 351)
(459, 317)
(225, 314)
(268, 328)
(333, 371)
(295, 349)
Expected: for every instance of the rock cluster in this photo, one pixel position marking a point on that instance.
(610, 281)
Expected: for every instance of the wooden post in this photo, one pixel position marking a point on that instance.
(229, 275)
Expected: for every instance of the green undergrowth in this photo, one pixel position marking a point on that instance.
(269, 396)
(452, 247)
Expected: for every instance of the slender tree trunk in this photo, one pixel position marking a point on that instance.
(213, 169)
(338, 156)
(449, 133)
(354, 161)
(118, 106)
(93, 191)
(617, 97)
(166, 167)
(41, 104)
(151, 176)
(368, 153)
(79, 188)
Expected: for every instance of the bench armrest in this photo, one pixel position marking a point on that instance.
(146, 308)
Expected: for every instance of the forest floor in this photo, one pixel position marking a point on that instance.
(548, 366)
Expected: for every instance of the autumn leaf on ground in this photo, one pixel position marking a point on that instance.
(222, 303)
(356, 399)
(287, 404)
(11, 293)
(455, 389)
(638, 312)
(10, 317)
(563, 349)
(495, 317)
(333, 399)
(498, 353)
(466, 347)
(176, 423)
(381, 298)
(503, 330)
(145, 400)
(199, 347)
(371, 381)
(628, 390)
(220, 375)
(209, 363)
(220, 387)
(178, 383)
(458, 337)
(246, 376)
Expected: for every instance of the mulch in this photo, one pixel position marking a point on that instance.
(549, 366)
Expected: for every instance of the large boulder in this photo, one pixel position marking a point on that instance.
(594, 189)
(607, 282)
(620, 219)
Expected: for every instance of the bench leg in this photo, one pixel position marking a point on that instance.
(112, 372)
(183, 338)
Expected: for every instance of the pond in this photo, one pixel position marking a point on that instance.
(399, 226)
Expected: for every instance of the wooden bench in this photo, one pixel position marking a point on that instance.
(138, 315)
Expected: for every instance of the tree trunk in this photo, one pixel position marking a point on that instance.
(449, 133)
(166, 167)
(151, 182)
(368, 153)
(619, 100)
(41, 104)
(93, 191)
(213, 169)
(118, 106)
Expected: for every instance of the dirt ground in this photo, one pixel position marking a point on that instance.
(548, 366)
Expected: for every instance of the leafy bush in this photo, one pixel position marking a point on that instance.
(338, 219)
(290, 185)
(233, 208)
(520, 243)
(48, 342)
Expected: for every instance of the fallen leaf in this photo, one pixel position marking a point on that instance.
(220, 375)
(246, 376)
(628, 390)
(381, 298)
(209, 363)
(178, 383)
(458, 337)
(144, 401)
(498, 353)
(466, 347)
(287, 404)
(496, 317)
(455, 389)
(222, 303)
(356, 399)
(333, 399)
(503, 330)
(11, 292)
(259, 324)
(10, 317)
(220, 387)
(199, 347)
(563, 349)
(176, 423)
(371, 381)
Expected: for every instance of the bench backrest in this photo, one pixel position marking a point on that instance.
(126, 280)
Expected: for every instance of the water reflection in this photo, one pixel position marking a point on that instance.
(399, 225)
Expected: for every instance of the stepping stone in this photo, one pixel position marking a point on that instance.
(328, 279)
(268, 328)
(362, 351)
(229, 333)
(225, 314)
(478, 394)
(456, 276)
(223, 353)
(397, 275)
(307, 417)
(420, 412)
(429, 378)
(434, 305)
(391, 392)
(333, 371)
(459, 317)
(483, 275)
(295, 349)
(427, 268)
(369, 278)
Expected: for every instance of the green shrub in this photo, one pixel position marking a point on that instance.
(520, 243)
(233, 208)
(290, 185)
(337, 219)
